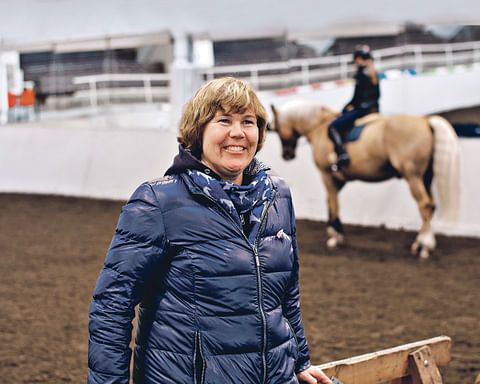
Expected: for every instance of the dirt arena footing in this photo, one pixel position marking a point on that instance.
(368, 295)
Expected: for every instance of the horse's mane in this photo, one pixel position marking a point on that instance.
(305, 107)
(305, 115)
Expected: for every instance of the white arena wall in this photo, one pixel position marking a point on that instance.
(109, 154)
(69, 158)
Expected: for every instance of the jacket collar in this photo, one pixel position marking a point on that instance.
(186, 160)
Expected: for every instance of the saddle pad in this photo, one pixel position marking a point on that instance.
(354, 133)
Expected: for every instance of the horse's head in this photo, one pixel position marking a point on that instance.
(287, 133)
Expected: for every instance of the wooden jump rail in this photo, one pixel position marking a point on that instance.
(414, 363)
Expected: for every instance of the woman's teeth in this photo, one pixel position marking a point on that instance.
(234, 148)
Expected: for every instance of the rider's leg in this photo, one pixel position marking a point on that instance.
(336, 137)
(340, 125)
(335, 131)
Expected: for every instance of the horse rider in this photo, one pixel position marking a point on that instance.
(364, 101)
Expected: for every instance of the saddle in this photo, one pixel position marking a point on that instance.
(367, 119)
(351, 135)
(355, 132)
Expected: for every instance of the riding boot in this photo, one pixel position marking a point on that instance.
(342, 155)
(343, 159)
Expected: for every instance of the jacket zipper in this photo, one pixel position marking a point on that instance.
(296, 341)
(259, 282)
(198, 347)
(257, 263)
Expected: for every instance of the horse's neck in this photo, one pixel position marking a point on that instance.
(318, 122)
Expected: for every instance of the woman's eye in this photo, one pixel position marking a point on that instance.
(249, 122)
(225, 121)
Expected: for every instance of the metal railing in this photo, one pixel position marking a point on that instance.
(418, 57)
(277, 75)
(143, 86)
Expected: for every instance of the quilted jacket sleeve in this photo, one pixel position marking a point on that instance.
(137, 251)
(291, 305)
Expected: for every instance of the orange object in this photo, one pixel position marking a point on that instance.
(12, 100)
(27, 97)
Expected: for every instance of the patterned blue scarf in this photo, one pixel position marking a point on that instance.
(247, 200)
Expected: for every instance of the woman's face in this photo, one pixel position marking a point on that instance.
(360, 61)
(229, 144)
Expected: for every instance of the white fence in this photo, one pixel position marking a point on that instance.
(307, 71)
(277, 75)
(128, 86)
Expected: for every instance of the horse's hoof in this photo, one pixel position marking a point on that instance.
(424, 254)
(332, 242)
(340, 239)
(415, 247)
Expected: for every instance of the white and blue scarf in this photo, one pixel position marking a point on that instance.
(247, 200)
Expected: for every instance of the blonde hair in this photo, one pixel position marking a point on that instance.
(227, 94)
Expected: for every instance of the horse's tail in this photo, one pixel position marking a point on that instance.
(446, 169)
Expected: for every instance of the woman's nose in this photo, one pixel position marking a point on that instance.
(236, 129)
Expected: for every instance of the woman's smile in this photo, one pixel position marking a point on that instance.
(234, 148)
(229, 144)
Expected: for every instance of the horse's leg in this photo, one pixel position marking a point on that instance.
(335, 233)
(425, 240)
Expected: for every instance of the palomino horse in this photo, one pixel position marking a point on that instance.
(416, 148)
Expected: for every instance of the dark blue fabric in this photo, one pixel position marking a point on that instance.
(208, 313)
(354, 133)
(246, 200)
(345, 121)
(186, 160)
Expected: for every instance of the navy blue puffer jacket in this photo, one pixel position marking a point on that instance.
(214, 308)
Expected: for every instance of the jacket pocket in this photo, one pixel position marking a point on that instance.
(296, 340)
(198, 360)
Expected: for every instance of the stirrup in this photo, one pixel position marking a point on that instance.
(343, 159)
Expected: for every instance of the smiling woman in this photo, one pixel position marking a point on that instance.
(229, 143)
(209, 252)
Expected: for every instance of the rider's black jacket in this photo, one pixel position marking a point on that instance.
(366, 93)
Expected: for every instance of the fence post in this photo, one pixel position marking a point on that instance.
(422, 367)
(254, 79)
(210, 75)
(305, 74)
(93, 92)
(184, 79)
(448, 56)
(147, 84)
(4, 104)
(343, 67)
(476, 52)
(378, 59)
(418, 58)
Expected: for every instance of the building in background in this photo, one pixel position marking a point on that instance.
(166, 67)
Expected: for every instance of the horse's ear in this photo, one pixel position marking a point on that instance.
(269, 126)
(273, 110)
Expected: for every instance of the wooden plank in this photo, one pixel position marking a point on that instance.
(386, 365)
(422, 367)
(477, 380)
(402, 380)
